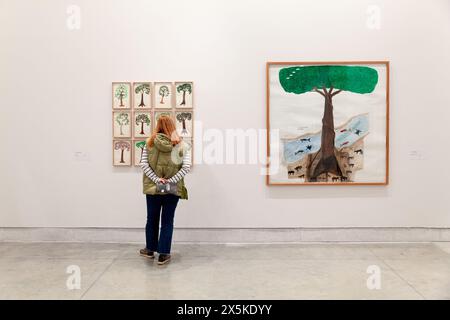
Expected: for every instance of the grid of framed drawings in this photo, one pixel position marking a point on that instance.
(136, 107)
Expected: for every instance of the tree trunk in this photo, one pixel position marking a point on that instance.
(162, 99)
(328, 162)
(328, 134)
(142, 127)
(121, 156)
(121, 131)
(142, 104)
(121, 100)
(184, 124)
(184, 99)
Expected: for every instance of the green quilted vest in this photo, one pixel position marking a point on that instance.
(160, 160)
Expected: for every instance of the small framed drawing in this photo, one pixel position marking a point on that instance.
(142, 124)
(162, 113)
(122, 152)
(121, 95)
(183, 121)
(122, 124)
(184, 92)
(138, 146)
(142, 92)
(163, 94)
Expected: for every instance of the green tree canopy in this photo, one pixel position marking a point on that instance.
(142, 88)
(184, 116)
(184, 87)
(140, 144)
(142, 118)
(121, 91)
(164, 91)
(122, 119)
(301, 79)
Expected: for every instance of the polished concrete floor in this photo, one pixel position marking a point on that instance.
(207, 271)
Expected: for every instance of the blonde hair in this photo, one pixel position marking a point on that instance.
(165, 125)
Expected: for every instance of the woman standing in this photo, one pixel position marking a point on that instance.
(165, 160)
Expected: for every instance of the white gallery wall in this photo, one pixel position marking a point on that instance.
(55, 100)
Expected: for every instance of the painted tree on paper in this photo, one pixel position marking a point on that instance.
(121, 93)
(142, 119)
(185, 87)
(143, 88)
(140, 145)
(328, 81)
(122, 146)
(163, 92)
(122, 120)
(182, 117)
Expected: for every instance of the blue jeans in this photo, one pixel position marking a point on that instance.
(168, 204)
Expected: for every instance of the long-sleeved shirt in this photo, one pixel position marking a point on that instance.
(185, 167)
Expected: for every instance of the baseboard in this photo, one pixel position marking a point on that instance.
(225, 235)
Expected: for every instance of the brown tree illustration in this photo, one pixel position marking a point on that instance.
(142, 119)
(122, 146)
(182, 117)
(185, 87)
(122, 120)
(143, 88)
(140, 145)
(163, 92)
(121, 93)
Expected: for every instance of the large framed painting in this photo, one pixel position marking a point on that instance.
(328, 123)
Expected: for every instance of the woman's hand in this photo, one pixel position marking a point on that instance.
(163, 181)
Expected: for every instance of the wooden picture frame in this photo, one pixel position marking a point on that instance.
(184, 122)
(138, 145)
(122, 124)
(142, 124)
(121, 95)
(184, 94)
(142, 93)
(292, 88)
(122, 153)
(163, 97)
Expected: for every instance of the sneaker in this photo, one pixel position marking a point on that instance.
(146, 253)
(163, 258)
